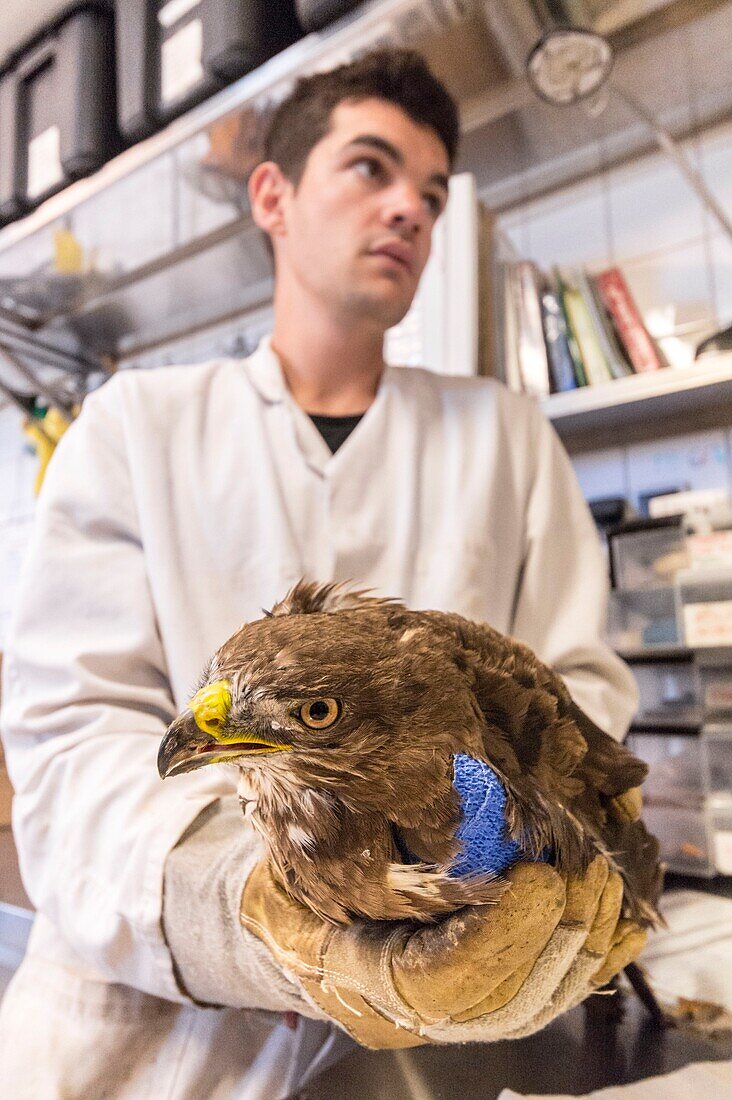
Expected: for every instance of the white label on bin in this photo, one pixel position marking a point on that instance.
(181, 67)
(713, 548)
(723, 851)
(718, 695)
(44, 162)
(708, 623)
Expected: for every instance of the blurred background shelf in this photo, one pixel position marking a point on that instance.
(615, 409)
(166, 244)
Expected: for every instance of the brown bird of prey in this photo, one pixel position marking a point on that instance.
(344, 714)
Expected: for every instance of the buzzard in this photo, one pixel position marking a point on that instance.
(363, 731)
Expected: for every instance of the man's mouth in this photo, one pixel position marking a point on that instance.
(397, 264)
(400, 255)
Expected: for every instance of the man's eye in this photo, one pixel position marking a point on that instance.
(374, 168)
(434, 205)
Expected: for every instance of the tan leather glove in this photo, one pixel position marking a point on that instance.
(483, 973)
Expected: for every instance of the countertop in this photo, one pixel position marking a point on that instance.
(575, 1054)
(581, 1051)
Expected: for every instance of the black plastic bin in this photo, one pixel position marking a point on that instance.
(57, 108)
(314, 14)
(172, 54)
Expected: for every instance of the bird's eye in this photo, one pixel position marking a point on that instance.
(319, 714)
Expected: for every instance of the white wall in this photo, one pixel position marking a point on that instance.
(699, 460)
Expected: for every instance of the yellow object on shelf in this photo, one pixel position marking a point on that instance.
(68, 255)
(44, 435)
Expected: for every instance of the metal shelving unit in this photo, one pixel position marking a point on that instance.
(379, 22)
(168, 245)
(185, 253)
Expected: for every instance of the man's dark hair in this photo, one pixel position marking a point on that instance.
(400, 76)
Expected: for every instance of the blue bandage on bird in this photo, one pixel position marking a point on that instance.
(485, 845)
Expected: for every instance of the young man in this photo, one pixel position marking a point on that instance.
(181, 502)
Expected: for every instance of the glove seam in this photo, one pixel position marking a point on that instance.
(388, 982)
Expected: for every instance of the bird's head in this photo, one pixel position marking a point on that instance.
(347, 701)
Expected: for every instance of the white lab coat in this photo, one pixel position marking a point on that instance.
(182, 502)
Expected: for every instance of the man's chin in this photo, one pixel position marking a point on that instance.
(387, 308)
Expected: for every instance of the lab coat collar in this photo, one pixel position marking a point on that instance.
(266, 375)
(265, 371)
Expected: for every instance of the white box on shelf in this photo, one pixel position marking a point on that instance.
(698, 501)
(440, 331)
(705, 607)
(720, 811)
(711, 549)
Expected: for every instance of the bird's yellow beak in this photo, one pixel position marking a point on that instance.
(199, 736)
(211, 705)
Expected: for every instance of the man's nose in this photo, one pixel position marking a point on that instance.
(406, 210)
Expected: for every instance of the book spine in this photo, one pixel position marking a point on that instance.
(555, 334)
(532, 347)
(603, 330)
(511, 365)
(579, 367)
(596, 367)
(642, 351)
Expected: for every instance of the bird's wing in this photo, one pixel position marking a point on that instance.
(561, 771)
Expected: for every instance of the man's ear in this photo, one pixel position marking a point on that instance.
(268, 187)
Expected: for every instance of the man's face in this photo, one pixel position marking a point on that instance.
(374, 185)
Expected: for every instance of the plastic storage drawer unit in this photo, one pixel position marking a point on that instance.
(315, 14)
(687, 797)
(670, 694)
(647, 553)
(678, 773)
(674, 800)
(57, 108)
(643, 618)
(172, 54)
(717, 743)
(716, 690)
(686, 837)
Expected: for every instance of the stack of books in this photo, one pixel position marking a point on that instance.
(571, 329)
